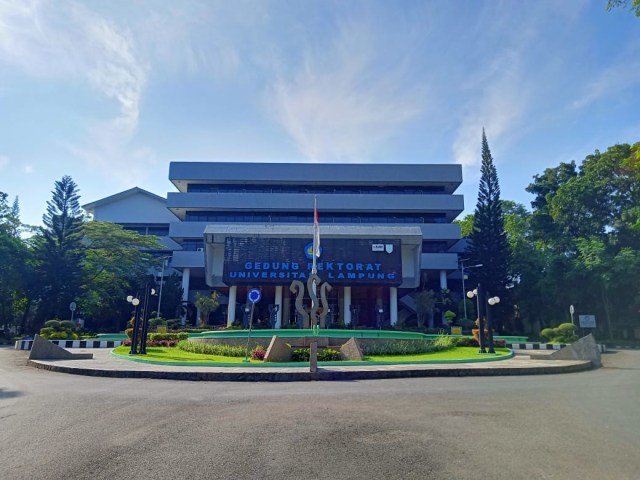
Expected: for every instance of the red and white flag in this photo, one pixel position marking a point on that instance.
(316, 230)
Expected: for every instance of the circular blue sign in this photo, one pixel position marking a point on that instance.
(308, 251)
(254, 295)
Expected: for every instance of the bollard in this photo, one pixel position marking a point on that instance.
(313, 357)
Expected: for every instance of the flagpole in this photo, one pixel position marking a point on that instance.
(314, 254)
(314, 268)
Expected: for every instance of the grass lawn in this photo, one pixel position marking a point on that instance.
(457, 354)
(174, 355)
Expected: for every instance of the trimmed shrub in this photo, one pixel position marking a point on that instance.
(329, 355)
(212, 349)
(464, 342)
(563, 333)
(300, 355)
(58, 330)
(55, 324)
(168, 336)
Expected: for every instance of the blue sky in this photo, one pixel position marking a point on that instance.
(110, 92)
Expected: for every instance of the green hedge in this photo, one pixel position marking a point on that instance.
(168, 336)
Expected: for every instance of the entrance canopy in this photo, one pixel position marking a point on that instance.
(276, 254)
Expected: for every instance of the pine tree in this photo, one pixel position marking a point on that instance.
(488, 243)
(59, 252)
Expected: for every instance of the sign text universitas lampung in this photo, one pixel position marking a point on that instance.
(249, 260)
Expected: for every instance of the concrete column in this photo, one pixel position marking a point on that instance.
(278, 302)
(443, 279)
(393, 305)
(231, 311)
(186, 273)
(443, 286)
(347, 306)
(287, 300)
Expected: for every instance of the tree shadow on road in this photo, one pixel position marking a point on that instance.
(9, 393)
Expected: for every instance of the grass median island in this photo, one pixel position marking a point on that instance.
(177, 356)
(172, 355)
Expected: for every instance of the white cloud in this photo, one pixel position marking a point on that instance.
(67, 41)
(498, 108)
(4, 161)
(28, 169)
(340, 102)
(622, 75)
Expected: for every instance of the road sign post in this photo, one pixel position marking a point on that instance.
(254, 295)
(72, 307)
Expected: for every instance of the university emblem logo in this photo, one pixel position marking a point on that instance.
(388, 247)
(308, 251)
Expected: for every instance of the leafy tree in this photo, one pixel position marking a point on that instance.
(633, 5)
(488, 244)
(171, 296)
(59, 252)
(466, 225)
(14, 257)
(206, 305)
(116, 262)
(584, 240)
(425, 306)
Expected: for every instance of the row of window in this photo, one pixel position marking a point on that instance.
(352, 189)
(192, 245)
(434, 246)
(287, 217)
(159, 230)
(428, 246)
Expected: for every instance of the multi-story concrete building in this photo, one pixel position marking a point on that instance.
(385, 231)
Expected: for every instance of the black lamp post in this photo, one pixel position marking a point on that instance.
(136, 325)
(491, 301)
(145, 319)
(478, 293)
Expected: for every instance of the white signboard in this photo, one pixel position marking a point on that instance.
(587, 321)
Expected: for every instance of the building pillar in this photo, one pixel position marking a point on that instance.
(231, 311)
(443, 279)
(186, 273)
(285, 313)
(278, 302)
(443, 286)
(393, 305)
(347, 306)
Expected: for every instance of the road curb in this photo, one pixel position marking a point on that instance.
(323, 374)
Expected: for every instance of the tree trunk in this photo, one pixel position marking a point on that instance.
(607, 312)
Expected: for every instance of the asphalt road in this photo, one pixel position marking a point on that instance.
(573, 426)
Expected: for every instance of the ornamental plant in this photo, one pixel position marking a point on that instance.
(563, 333)
(258, 353)
(59, 330)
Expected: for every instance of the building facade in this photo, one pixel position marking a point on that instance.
(386, 231)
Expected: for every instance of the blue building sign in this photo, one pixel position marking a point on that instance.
(279, 261)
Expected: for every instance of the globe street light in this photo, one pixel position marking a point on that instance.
(491, 301)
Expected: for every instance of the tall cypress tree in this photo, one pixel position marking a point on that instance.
(488, 243)
(59, 252)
